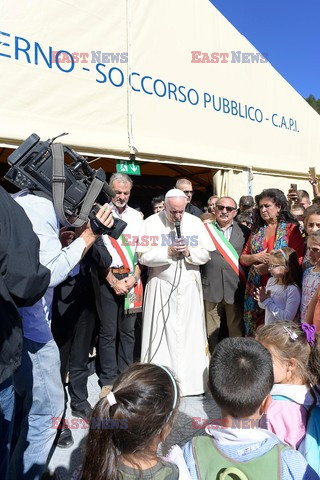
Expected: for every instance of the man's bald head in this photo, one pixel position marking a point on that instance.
(186, 186)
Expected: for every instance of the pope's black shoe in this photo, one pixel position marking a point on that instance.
(82, 411)
(65, 439)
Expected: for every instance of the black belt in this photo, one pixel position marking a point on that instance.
(120, 270)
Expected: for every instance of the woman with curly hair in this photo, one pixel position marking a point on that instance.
(274, 228)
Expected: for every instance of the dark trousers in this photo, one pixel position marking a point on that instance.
(73, 323)
(116, 333)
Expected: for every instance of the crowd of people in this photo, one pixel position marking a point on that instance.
(232, 269)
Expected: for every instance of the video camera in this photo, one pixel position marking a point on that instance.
(75, 188)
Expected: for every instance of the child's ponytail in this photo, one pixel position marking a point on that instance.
(124, 424)
(101, 454)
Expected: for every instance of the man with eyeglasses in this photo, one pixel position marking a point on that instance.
(186, 186)
(223, 279)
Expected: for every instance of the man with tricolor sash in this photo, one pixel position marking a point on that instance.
(223, 278)
(119, 290)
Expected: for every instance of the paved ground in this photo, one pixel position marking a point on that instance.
(65, 461)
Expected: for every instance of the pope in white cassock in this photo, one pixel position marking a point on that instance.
(174, 332)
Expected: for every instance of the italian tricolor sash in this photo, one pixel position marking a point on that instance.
(226, 249)
(133, 299)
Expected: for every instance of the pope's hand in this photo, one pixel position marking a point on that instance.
(179, 248)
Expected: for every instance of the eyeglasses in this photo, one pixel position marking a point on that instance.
(271, 266)
(222, 207)
(188, 192)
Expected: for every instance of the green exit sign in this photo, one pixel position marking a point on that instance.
(129, 167)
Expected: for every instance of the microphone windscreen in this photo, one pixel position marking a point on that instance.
(108, 190)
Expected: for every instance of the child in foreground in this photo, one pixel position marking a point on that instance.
(295, 353)
(241, 378)
(129, 423)
(281, 296)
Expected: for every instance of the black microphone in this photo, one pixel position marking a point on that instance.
(177, 227)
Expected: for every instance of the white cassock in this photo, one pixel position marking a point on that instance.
(174, 331)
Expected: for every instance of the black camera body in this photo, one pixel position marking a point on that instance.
(32, 168)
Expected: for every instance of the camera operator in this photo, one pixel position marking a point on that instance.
(23, 280)
(74, 319)
(37, 382)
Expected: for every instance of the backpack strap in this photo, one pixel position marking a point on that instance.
(282, 397)
(58, 185)
(310, 446)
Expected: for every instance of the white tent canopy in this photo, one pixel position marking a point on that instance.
(118, 76)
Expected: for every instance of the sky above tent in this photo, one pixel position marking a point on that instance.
(286, 32)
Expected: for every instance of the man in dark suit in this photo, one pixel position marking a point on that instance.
(223, 279)
(73, 323)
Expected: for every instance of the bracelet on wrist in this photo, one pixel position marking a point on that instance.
(113, 283)
(135, 278)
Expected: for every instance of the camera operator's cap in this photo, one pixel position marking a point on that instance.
(246, 201)
(175, 192)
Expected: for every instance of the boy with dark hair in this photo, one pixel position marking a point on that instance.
(246, 204)
(240, 379)
(244, 219)
(157, 204)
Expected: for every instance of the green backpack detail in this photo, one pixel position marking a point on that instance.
(232, 473)
(212, 464)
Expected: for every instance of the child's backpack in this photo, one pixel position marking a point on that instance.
(211, 464)
(310, 445)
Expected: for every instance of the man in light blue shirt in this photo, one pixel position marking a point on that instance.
(39, 391)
